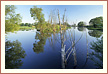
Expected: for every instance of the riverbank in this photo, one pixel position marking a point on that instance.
(92, 28)
(26, 27)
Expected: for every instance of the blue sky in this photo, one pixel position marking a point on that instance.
(74, 13)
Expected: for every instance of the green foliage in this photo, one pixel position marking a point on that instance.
(95, 33)
(57, 27)
(81, 24)
(96, 22)
(9, 9)
(12, 20)
(38, 47)
(98, 52)
(26, 24)
(92, 28)
(38, 16)
(13, 54)
(40, 23)
(26, 28)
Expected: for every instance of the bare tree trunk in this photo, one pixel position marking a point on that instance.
(59, 20)
(51, 16)
(62, 44)
(64, 16)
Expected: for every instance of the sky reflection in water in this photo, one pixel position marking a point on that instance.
(43, 50)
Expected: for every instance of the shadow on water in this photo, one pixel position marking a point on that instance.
(13, 54)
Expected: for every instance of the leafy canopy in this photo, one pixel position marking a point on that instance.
(37, 14)
(96, 22)
(12, 20)
(81, 23)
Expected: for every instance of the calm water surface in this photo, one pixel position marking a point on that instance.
(35, 50)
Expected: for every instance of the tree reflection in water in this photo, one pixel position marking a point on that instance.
(38, 47)
(95, 33)
(97, 47)
(13, 54)
(81, 28)
(62, 38)
(71, 51)
(98, 52)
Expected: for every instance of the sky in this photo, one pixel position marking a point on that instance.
(74, 13)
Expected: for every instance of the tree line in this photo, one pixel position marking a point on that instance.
(27, 24)
(13, 20)
(95, 23)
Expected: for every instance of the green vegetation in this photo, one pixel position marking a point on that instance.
(26, 27)
(38, 16)
(13, 54)
(41, 24)
(38, 47)
(81, 24)
(96, 22)
(98, 52)
(12, 20)
(27, 24)
(92, 28)
(95, 33)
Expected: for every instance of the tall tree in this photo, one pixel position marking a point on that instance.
(38, 16)
(12, 20)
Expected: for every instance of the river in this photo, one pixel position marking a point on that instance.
(34, 50)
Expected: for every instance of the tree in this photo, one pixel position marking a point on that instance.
(12, 20)
(96, 22)
(26, 24)
(37, 15)
(22, 24)
(81, 24)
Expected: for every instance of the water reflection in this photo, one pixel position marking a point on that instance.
(81, 28)
(98, 52)
(13, 54)
(40, 37)
(71, 50)
(87, 55)
(95, 33)
(68, 37)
